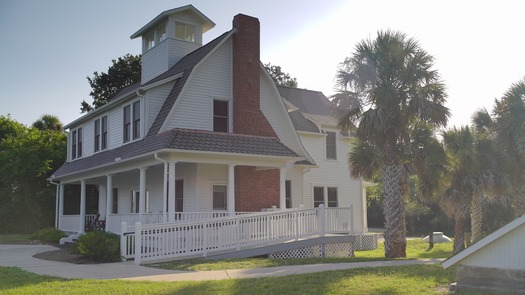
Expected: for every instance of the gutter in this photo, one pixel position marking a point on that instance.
(57, 184)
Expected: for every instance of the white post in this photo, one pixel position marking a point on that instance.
(123, 239)
(61, 205)
(109, 199)
(57, 197)
(171, 190)
(82, 225)
(322, 220)
(165, 194)
(138, 243)
(230, 203)
(142, 193)
(282, 186)
(351, 225)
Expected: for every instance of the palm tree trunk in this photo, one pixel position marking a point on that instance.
(459, 234)
(394, 210)
(476, 218)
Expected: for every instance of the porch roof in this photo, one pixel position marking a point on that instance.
(182, 139)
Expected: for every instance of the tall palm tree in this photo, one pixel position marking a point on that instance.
(48, 122)
(386, 87)
(508, 123)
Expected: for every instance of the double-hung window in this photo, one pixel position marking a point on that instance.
(76, 143)
(332, 196)
(319, 196)
(220, 116)
(331, 147)
(219, 197)
(131, 122)
(101, 133)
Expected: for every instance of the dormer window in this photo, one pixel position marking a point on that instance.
(185, 31)
(155, 37)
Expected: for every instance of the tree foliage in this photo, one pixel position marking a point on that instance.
(387, 88)
(48, 122)
(123, 72)
(279, 77)
(28, 156)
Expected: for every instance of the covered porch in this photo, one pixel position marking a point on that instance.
(169, 187)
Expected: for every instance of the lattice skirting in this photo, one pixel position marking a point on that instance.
(366, 241)
(329, 250)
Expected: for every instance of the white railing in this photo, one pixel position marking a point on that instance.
(177, 240)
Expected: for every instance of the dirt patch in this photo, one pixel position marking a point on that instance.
(64, 254)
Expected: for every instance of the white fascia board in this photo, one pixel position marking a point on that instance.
(311, 133)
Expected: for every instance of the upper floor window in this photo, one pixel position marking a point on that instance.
(331, 146)
(76, 143)
(131, 122)
(220, 116)
(185, 31)
(155, 37)
(101, 133)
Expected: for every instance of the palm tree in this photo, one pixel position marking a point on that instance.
(475, 170)
(508, 124)
(48, 122)
(386, 87)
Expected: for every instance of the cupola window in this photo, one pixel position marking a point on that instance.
(185, 31)
(155, 37)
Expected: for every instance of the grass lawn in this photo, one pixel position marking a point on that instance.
(416, 279)
(416, 249)
(14, 238)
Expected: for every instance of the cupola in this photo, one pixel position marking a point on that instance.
(170, 36)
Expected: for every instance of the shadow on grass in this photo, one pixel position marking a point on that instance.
(13, 277)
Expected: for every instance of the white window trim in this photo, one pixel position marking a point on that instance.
(70, 147)
(141, 125)
(100, 149)
(226, 195)
(325, 194)
(230, 112)
(325, 145)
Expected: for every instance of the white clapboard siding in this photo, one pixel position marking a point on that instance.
(273, 109)
(209, 175)
(88, 146)
(333, 173)
(115, 125)
(506, 252)
(295, 175)
(212, 80)
(155, 61)
(155, 98)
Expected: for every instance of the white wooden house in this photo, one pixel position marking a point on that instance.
(205, 134)
(495, 263)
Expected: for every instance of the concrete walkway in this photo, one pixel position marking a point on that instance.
(22, 256)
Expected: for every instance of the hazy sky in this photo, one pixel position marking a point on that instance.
(48, 48)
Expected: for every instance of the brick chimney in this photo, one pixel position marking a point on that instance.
(247, 115)
(254, 189)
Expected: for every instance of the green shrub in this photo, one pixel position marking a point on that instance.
(99, 246)
(48, 235)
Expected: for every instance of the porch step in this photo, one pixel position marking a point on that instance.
(69, 240)
(280, 247)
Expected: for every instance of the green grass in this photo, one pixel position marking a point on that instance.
(14, 238)
(416, 249)
(416, 279)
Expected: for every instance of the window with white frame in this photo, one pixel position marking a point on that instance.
(155, 37)
(76, 143)
(101, 134)
(185, 32)
(219, 197)
(319, 196)
(331, 147)
(131, 122)
(220, 116)
(135, 202)
(332, 196)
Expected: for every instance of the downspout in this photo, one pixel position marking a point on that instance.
(57, 184)
(164, 207)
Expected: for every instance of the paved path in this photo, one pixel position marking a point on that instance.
(22, 256)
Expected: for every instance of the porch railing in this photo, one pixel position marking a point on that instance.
(183, 239)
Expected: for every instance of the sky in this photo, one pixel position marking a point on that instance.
(48, 48)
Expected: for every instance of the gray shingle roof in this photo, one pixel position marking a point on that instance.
(183, 139)
(308, 101)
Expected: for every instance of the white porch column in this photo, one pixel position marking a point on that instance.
(171, 192)
(60, 205)
(142, 194)
(165, 194)
(57, 198)
(230, 195)
(109, 199)
(82, 225)
(282, 186)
